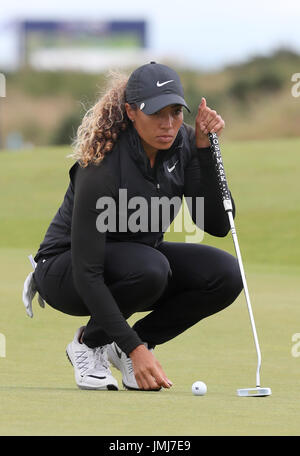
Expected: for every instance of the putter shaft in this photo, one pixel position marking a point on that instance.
(247, 296)
(227, 203)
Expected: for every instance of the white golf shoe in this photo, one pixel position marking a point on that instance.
(123, 363)
(91, 365)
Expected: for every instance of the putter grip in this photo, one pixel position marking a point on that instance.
(214, 143)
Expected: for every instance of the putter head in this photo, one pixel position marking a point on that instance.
(254, 392)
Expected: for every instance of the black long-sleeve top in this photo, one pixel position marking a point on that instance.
(93, 199)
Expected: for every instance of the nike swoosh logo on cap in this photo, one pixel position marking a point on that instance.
(160, 84)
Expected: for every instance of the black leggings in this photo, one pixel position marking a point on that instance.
(181, 283)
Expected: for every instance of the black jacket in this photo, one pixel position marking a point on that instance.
(182, 170)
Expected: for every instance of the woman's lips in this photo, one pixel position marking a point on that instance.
(165, 138)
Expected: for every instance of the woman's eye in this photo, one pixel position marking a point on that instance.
(178, 111)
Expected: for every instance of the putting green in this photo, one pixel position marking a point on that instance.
(37, 388)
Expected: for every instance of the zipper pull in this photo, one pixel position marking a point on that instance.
(157, 186)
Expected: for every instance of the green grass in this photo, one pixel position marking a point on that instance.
(38, 394)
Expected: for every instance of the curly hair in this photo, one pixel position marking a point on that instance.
(103, 123)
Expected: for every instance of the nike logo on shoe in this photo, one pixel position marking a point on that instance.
(96, 376)
(160, 84)
(172, 167)
(119, 352)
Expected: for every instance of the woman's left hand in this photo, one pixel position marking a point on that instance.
(207, 121)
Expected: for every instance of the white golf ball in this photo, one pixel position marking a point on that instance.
(199, 388)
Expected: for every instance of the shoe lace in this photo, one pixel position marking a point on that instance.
(129, 365)
(82, 360)
(92, 359)
(100, 356)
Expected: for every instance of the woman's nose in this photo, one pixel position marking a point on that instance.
(167, 121)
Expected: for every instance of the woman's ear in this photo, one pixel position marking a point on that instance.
(130, 112)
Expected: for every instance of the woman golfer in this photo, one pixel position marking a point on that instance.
(104, 256)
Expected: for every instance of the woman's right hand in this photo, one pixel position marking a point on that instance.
(147, 370)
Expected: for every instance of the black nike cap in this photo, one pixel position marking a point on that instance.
(154, 86)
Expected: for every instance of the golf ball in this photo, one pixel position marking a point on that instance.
(199, 388)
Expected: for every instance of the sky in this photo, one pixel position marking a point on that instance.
(207, 34)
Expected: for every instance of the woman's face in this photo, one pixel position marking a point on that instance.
(159, 130)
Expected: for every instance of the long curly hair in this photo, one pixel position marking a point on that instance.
(103, 123)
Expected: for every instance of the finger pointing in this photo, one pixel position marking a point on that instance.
(202, 105)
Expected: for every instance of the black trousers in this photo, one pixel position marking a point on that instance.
(180, 283)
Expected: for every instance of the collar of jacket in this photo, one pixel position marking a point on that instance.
(137, 152)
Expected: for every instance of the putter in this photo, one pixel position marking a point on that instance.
(214, 141)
